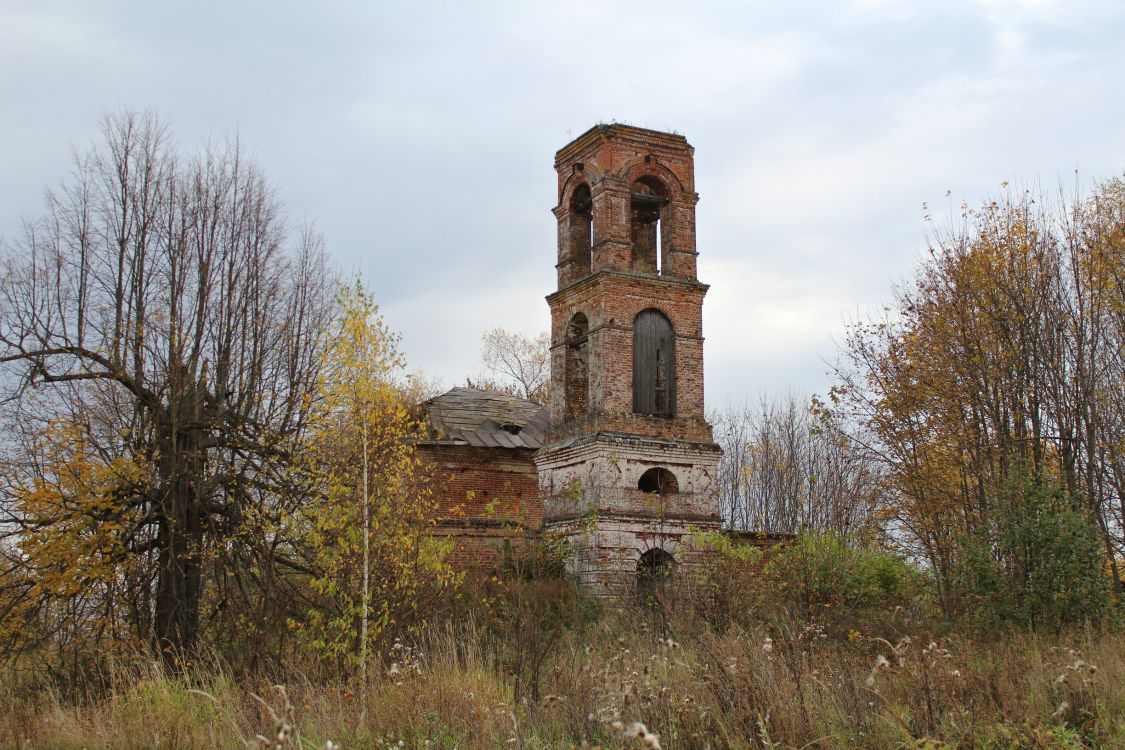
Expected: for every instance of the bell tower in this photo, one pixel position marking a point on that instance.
(629, 465)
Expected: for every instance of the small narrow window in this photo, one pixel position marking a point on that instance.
(576, 367)
(654, 364)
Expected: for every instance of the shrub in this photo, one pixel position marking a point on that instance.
(528, 606)
(817, 576)
(1037, 564)
(825, 576)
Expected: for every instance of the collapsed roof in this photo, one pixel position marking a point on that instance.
(468, 416)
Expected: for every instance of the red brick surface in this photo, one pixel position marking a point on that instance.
(612, 161)
(486, 484)
(614, 181)
(486, 497)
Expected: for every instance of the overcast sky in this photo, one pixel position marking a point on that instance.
(419, 137)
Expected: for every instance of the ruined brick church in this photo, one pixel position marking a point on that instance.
(622, 465)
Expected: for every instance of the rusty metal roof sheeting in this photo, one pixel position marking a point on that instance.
(489, 420)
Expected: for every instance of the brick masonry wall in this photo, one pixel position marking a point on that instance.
(601, 475)
(609, 159)
(583, 486)
(485, 484)
(590, 468)
(480, 548)
(487, 498)
(605, 555)
(610, 302)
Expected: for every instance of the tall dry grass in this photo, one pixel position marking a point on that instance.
(766, 687)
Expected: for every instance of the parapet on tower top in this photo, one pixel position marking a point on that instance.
(626, 204)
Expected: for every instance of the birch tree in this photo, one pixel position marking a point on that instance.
(367, 523)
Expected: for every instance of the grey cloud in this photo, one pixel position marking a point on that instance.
(419, 137)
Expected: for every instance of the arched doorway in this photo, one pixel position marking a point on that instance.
(654, 570)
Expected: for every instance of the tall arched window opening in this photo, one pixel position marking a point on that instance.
(654, 364)
(649, 201)
(577, 366)
(653, 571)
(582, 229)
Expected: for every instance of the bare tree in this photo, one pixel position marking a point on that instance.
(162, 310)
(519, 360)
(788, 467)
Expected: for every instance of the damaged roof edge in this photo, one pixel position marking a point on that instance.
(485, 419)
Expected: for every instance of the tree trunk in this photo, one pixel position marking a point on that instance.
(179, 579)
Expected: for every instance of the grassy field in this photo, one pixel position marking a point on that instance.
(619, 682)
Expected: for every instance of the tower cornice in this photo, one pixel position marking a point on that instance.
(624, 133)
(609, 273)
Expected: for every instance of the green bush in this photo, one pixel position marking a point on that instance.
(822, 572)
(1038, 563)
(816, 576)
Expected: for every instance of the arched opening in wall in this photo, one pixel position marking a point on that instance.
(577, 366)
(649, 202)
(654, 364)
(654, 570)
(658, 480)
(582, 229)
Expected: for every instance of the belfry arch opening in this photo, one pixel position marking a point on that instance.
(658, 480)
(654, 364)
(577, 366)
(582, 229)
(649, 230)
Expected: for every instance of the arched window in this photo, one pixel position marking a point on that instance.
(653, 570)
(658, 480)
(648, 199)
(654, 364)
(577, 371)
(582, 229)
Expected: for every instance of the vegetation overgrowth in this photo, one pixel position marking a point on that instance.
(870, 678)
(216, 531)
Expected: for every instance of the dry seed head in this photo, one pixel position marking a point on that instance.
(880, 663)
(636, 729)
